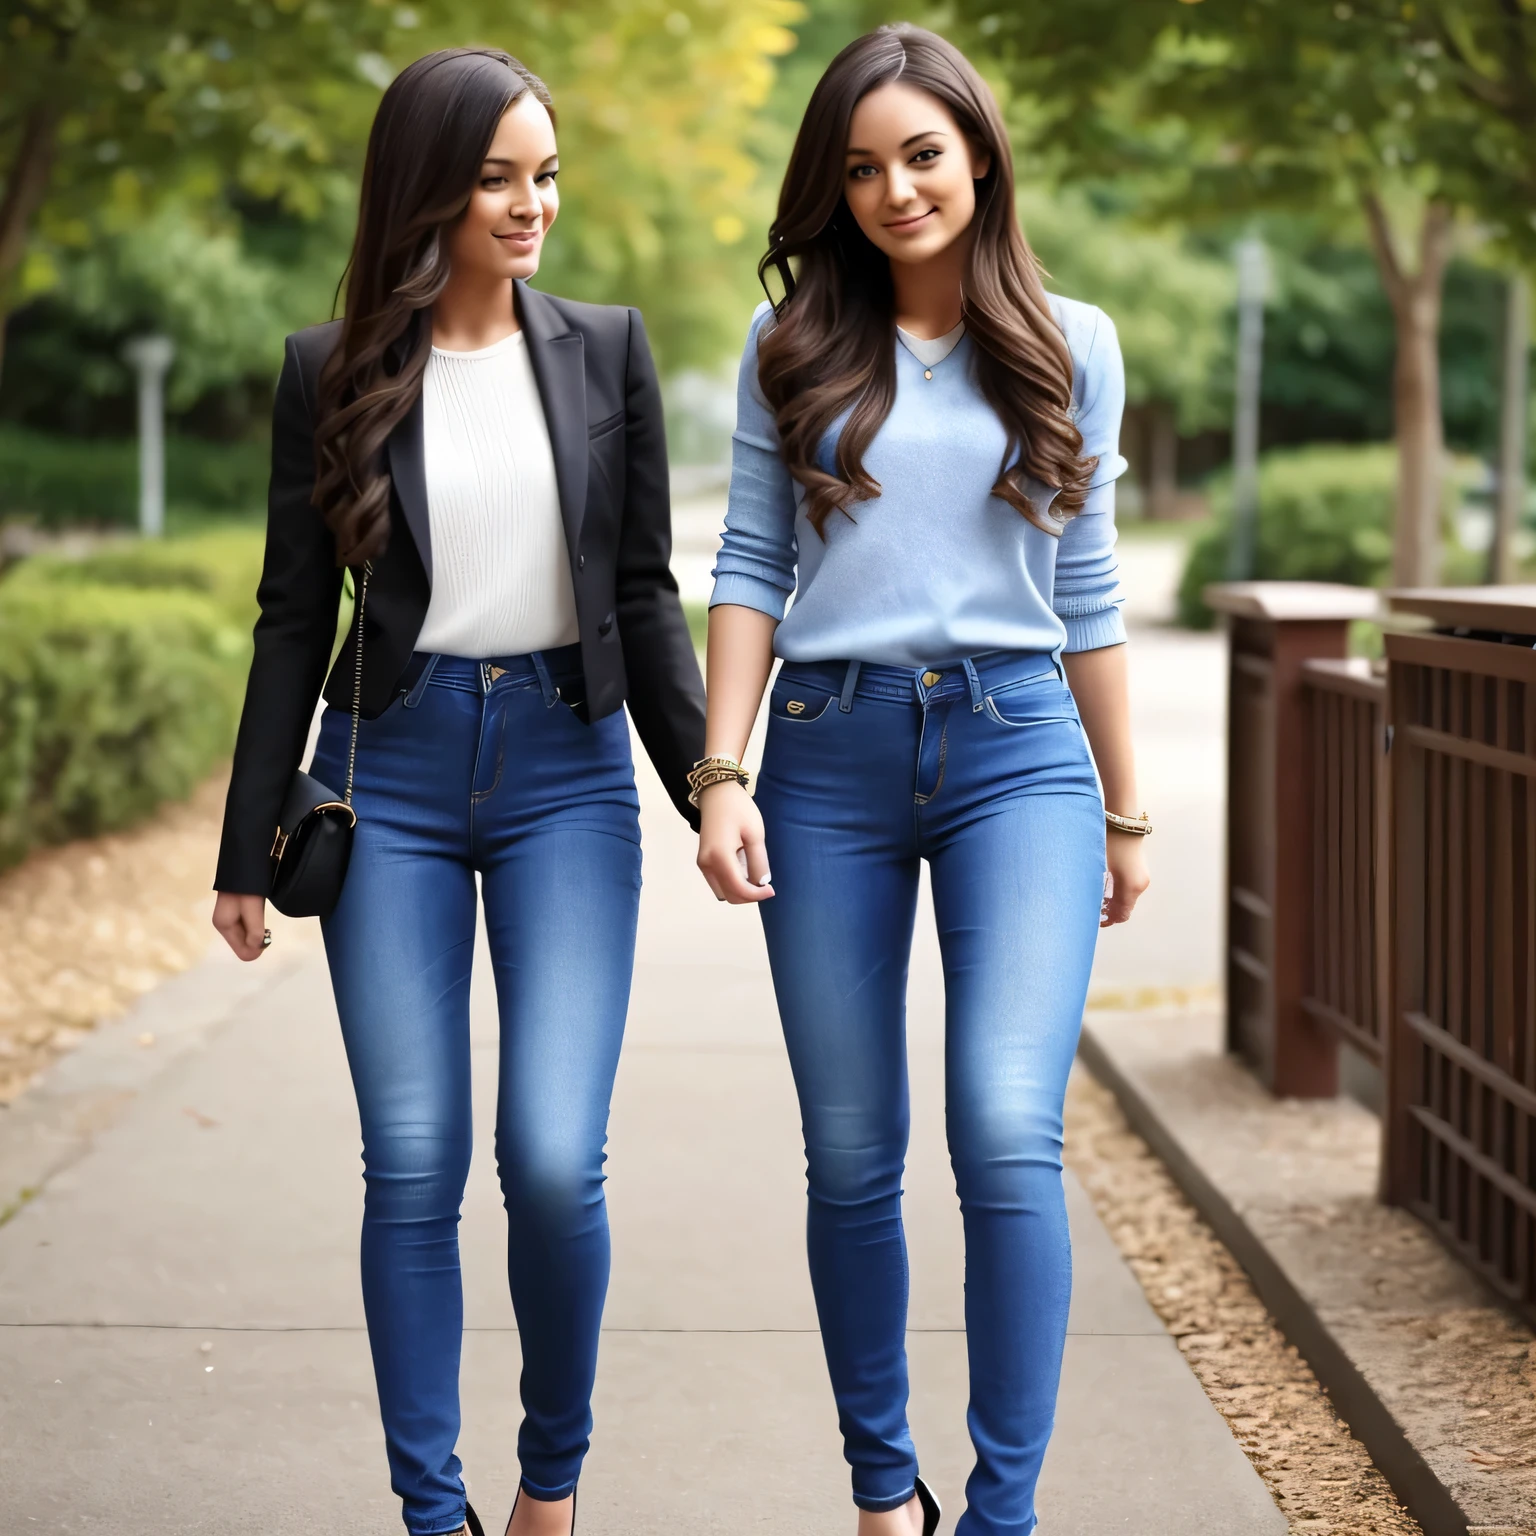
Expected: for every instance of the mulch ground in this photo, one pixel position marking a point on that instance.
(88, 928)
(1319, 1474)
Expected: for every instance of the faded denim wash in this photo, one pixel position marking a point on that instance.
(480, 773)
(982, 769)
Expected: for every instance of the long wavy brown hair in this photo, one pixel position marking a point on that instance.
(429, 137)
(832, 344)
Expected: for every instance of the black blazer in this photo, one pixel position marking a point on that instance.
(603, 408)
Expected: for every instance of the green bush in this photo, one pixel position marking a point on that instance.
(223, 565)
(1325, 514)
(121, 677)
(62, 480)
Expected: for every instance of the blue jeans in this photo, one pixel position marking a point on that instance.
(471, 773)
(982, 769)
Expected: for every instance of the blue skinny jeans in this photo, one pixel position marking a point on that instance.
(982, 769)
(488, 772)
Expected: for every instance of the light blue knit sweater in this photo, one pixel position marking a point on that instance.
(936, 568)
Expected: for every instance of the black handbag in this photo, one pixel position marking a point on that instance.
(313, 845)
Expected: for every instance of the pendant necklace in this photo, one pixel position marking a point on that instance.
(930, 353)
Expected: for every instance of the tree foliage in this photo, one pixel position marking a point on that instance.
(1373, 107)
(112, 104)
(662, 200)
(1222, 105)
(242, 111)
(1171, 303)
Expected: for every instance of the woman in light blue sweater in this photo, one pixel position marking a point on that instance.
(925, 458)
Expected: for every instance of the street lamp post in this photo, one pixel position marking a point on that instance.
(150, 357)
(1252, 279)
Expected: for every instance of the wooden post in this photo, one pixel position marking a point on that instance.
(1274, 627)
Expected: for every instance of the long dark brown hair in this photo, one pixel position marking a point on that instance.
(429, 137)
(832, 344)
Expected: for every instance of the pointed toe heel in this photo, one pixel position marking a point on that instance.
(930, 1507)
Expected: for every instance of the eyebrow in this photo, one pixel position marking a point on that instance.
(500, 160)
(927, 133)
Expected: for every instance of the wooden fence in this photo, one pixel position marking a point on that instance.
(1461, 1093)
(1383, 821)
(1346, 976)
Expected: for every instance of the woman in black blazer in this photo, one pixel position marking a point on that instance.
(489, 462)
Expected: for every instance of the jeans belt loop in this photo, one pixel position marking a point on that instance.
(850, 682)
(546, 683)
(419, 687)
(977, 699)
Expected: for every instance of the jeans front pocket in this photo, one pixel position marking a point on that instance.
(1038, 700)
(798, 702)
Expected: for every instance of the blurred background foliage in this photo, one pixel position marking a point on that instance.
(190, 166)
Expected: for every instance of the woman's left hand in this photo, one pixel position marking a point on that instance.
(1126, 862)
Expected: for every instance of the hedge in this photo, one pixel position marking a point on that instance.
(1325, 514)
(121, 677)
(57, 480)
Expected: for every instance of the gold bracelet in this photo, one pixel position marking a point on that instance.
(1137, 826)
(715, 770)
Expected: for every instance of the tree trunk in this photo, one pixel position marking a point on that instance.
(1162, 462)
(1512, 416)
(1416, 297)
(25, 188)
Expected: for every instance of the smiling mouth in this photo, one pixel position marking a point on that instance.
(902, 225)
(520, 236)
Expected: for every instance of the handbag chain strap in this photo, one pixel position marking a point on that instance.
(357, 678)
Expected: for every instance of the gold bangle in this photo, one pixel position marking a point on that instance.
(715, 770)
(1137, 826)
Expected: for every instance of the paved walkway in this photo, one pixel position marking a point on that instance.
(181, 1344)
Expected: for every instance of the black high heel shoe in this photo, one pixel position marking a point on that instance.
(930, 1506)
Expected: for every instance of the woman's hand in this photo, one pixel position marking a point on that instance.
(731, 825)
(243, 922)
(1126, 862)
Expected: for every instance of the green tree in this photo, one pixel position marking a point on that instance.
(111, 105)
(1342, 107)
(116, 108)
(1171, 306)
(662, 199)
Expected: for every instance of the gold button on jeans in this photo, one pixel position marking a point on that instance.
(930, 678)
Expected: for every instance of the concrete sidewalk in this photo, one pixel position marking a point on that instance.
(181, 1342)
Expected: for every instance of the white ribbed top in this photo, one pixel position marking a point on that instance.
(501, 575)
(931, 351)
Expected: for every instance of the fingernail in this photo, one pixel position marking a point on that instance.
(766, 880)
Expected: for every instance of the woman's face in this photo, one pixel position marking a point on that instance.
(501, 233)
(911, 174)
